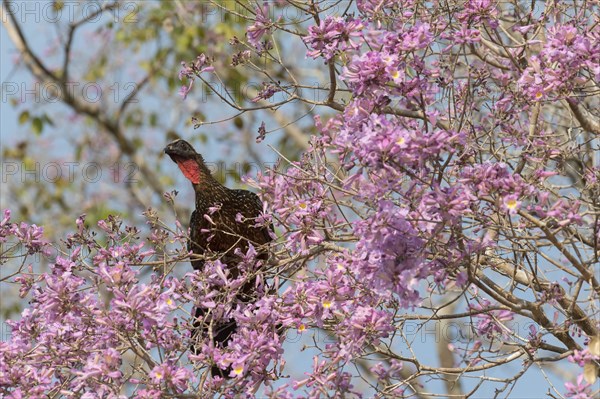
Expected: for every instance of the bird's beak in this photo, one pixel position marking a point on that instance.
(169, 150)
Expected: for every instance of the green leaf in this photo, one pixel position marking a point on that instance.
(37, 125)
(238, 122)
(23, 117)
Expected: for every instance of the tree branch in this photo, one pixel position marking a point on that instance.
(588, 121)
(39, 70)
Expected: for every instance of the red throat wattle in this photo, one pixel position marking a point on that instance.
(190, 170)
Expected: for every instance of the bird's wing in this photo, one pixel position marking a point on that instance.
(252, 208)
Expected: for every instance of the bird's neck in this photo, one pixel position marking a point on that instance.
(209, 192)
(195, 171)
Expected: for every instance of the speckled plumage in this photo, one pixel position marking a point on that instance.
(226, 234)
(215, 230)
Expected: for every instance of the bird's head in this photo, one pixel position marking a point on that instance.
(189, 161)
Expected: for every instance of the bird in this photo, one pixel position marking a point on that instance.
(216, 230)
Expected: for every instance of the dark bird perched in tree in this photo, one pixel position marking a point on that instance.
(219, 234)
